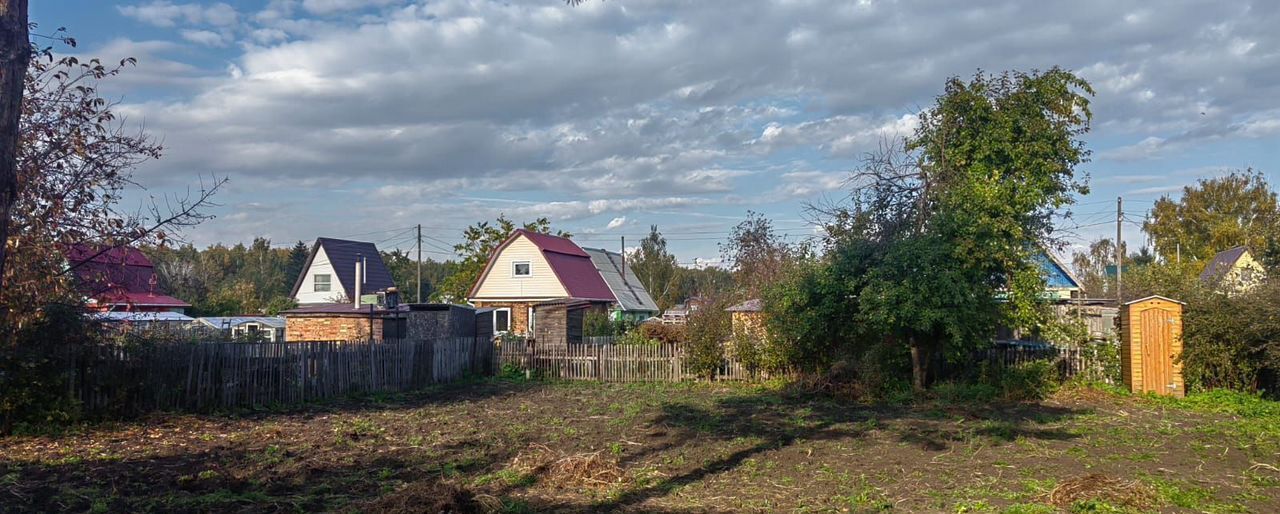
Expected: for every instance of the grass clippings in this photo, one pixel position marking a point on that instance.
(558, 469)
(427, 496)
(1096, 487)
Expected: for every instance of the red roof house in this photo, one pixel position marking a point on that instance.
(119, 279)
(529, 268)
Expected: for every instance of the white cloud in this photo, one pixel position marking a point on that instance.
(616, 222)
(205, 37)
(163, 13)
(335, 6)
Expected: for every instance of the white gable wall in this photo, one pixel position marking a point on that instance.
(319, 266)
(500, 283)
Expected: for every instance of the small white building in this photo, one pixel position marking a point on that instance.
(264, 328)
(330, 273)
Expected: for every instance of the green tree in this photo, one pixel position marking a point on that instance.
(479, 241)
(297, 260)
(656, 268)
(1217, 214)
(757, 255)
(954, 215)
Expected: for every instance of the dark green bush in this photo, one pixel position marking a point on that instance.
(708, 330)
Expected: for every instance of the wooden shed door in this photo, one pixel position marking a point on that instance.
(1157, 361)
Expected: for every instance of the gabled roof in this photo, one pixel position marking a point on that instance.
(342, 255)
(630, 293)
(1057, 274)
(1153, 297)
(1222, 263)
(572, 266)
(117, 276)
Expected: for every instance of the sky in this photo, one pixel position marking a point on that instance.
(364, 118)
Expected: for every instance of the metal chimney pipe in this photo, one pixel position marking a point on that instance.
(359, 282)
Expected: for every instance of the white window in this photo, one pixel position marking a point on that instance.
(521, 269)
(501, 321)
(531, 321)
(321, 282)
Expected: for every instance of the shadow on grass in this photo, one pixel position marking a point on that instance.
(357, 472)
(777, 420)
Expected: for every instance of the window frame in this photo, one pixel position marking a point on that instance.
(495, 320)
(315, 282)
(528, 264)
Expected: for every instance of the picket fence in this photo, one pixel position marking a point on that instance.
(602, 361)
(118, 380)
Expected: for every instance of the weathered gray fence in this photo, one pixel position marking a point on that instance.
(1070, 362)
(114, 380)
(609, 362)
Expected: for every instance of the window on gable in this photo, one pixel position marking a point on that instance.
(521, 269)
(321, 282)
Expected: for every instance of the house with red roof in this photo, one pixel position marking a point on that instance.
(119, 279)
(530, 268)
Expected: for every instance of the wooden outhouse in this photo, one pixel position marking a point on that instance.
(1151, 346)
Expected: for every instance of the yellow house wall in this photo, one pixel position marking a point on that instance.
(500, 284)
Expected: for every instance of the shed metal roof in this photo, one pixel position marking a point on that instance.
(235, 321)
(631, 294)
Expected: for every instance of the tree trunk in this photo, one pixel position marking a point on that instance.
(921, 359)
(15, 54)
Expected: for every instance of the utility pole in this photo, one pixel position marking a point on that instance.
(1119, 248)
(419, 263)
(1179, 252)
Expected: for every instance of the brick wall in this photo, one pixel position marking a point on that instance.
(519, 314)
(330, 328)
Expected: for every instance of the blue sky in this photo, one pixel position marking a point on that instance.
(362, 118)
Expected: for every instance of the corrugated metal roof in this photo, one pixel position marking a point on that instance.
(630, 293)
(235, 321)
(139, 316)
(755, 305)
(1222, 263)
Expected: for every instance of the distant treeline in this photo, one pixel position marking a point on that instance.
(225, 280)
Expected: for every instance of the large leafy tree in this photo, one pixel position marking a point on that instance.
(757, 254)
(1217, 214)
(954, 213)
(656, 268)
(479, 241)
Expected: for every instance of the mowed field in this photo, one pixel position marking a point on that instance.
(515, 446)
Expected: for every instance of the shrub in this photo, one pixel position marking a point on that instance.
(1033, 380)
(666, 334)
(1232, 341)
(34, 368)
(636, 337)
(708, 330)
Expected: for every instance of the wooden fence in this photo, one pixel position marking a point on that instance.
(1070, 361)
(608, 362)
(116, 380)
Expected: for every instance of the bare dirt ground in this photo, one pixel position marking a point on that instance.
(499, 446)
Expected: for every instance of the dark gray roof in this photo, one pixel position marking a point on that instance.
(630, 293)
(1222, 263)
(343, 254)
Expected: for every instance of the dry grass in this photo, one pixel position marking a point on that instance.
(1101, 488)
(562, 470)
(429, 496)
